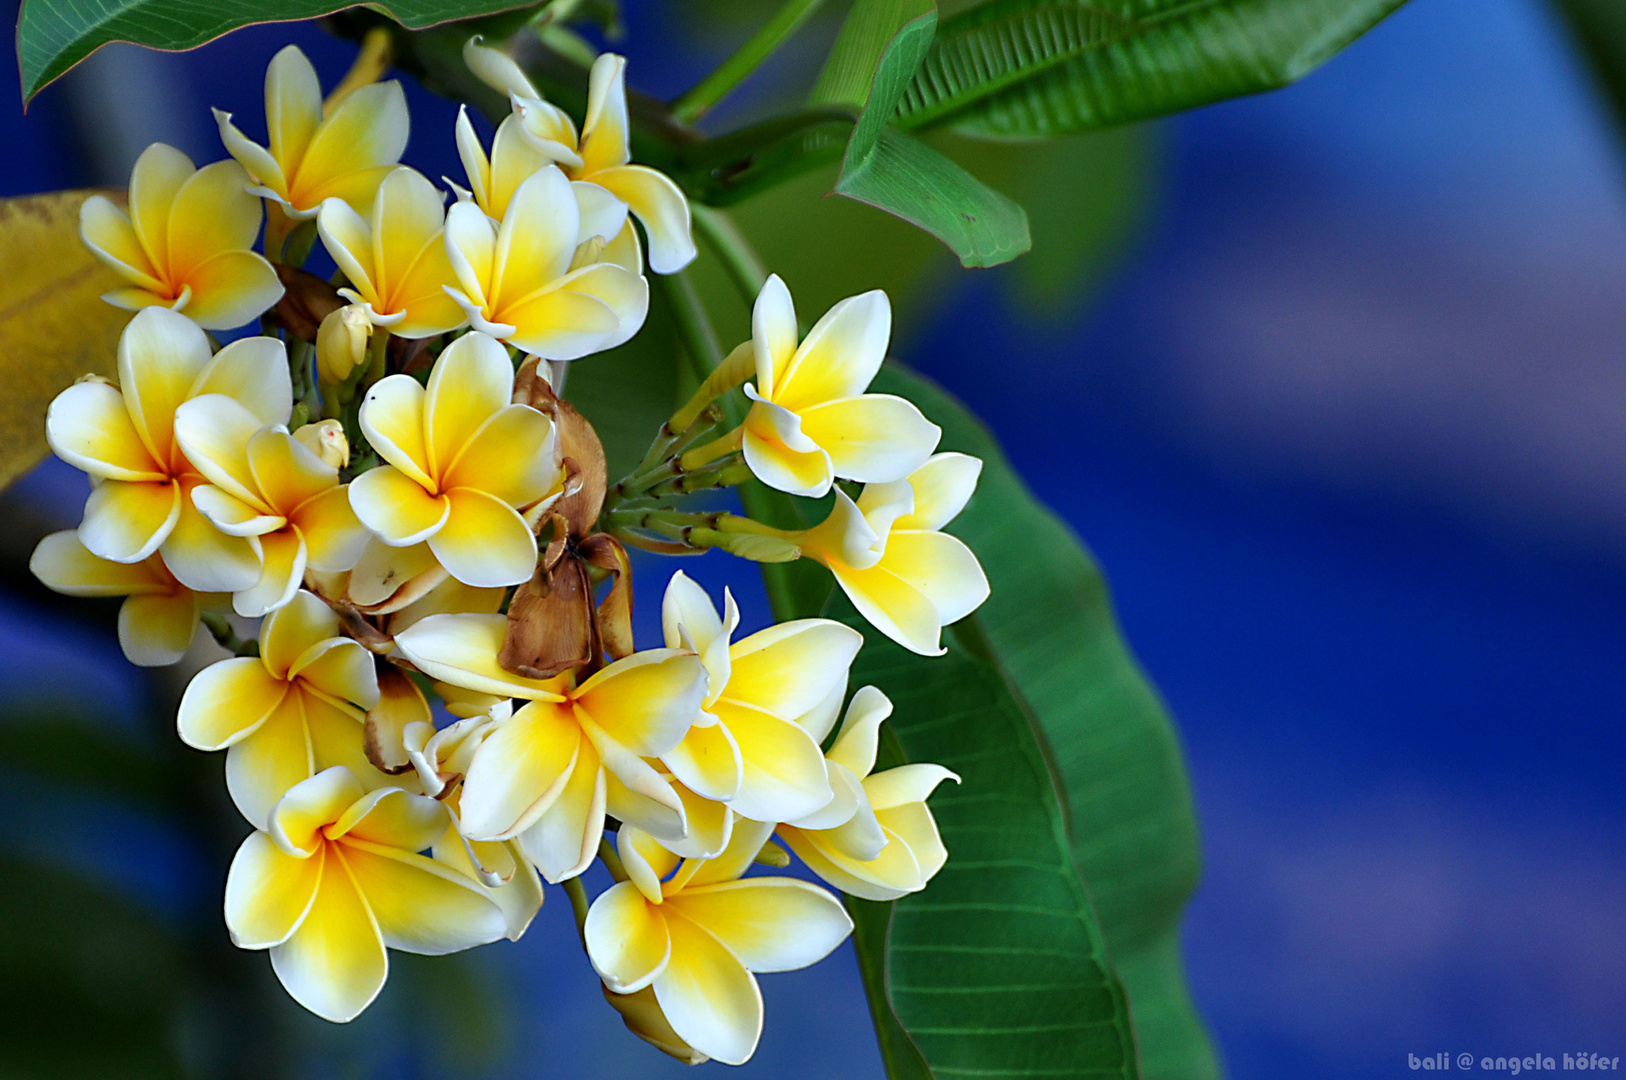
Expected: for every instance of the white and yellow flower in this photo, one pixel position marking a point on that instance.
(514, 159)
(124, 437)
(810, 420)
(159, 615)
(287, 714)
(520, 282)
(601, 156)
(694, 933)
(548, 774)
(395, 259)
(401, 739)
(877, 839)
(336, 878)
(768, 704)
(886, 552)
(270, 487)
(186, 242)
(463, 460)
(339, 150)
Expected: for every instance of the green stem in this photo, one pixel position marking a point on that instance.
(694, 329)
(578, 904)
(227, 637)
(700, 345)
(740, 261)
(612, 861)
(746, 59)
(377, 356)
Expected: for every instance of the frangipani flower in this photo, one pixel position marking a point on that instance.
(548, 774)
(159, 615)
(694, 933)
(185, 244)
(124, 437)
(752, 747)
(286, 714)
(401, 738)
(810, 420)
(336, 878)
(319, 152)
(519, 281)
(462, 460)
(604, 152)
(903, 575)
(876, 839)
(396, 257)
(515, 158)
(269, 486)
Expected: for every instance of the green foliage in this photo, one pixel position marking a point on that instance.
(1048, 624)
(86, 979)
(999, 967)
(870, 27)
(1022, 69)
(1598, 28)
(890, 170)
(54, 35)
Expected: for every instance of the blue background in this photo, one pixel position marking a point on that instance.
(1347, 430)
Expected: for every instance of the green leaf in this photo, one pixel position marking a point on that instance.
(86, 754)
(1038, 68)
(1049, 627)
(868, 30)
(998, 968)
(1598, 28)
(905, 177)
(87, 979)
(54, 35)
(893, 172)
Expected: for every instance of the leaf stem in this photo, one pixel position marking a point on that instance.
(747, 58)
(227, 637)
(578, 905)
(694, 329)
(740, 260)
(700, 345)
(612, 861)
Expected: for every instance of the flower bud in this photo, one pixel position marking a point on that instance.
(326, 439)
(643, 1016)
(341, 343)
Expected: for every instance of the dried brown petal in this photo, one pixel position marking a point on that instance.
(550, 622)
(400, 702)
(615, 612)
(578, 444)
(306, 301)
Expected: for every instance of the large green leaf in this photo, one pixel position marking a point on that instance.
(1054, 658)
(54, 35)
(1037, 68)
(998, 968)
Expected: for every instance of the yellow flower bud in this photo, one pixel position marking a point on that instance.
(327, 440)
(341, 343)
(644, 1018)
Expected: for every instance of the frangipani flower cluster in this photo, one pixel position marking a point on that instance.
(388, 479)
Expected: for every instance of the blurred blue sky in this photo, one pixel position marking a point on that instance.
(1348, 433)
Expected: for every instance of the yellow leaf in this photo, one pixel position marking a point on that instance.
(54, 325)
